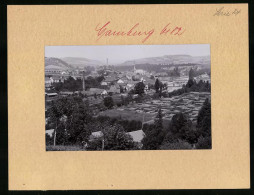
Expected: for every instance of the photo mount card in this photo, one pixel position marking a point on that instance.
(81, 90)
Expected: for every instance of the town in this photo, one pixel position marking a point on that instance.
(143, 102)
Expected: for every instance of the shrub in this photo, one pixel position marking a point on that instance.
(204, 143)
(178, 145)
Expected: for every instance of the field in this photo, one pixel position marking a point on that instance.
(188, 103)
(127, 114)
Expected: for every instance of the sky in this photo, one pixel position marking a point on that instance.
(121, 53)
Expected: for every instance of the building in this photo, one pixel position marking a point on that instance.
(103, 83)
(54, 70)
(51, 94)
(48, 82)
(98, 91)
(138, 71)
(137, 136)
(114, 89)
(110, 79)
(66, 93)
(205, 77)
(56, 79)
(50, 132)
(120, 81)
(95, 135)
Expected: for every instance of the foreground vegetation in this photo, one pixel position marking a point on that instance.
(73, 123)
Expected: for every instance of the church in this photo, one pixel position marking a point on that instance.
(138, 71)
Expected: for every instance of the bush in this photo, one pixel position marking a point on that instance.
(204, 143)
(178, 145)
(108, 102)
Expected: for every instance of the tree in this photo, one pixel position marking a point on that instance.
(114, 138)
(155, 134)
(158, 121)
(191, 74)
(70, 84)
(139, 88)
(56, 112)
(121, 89)
(190, 83)
(204, 119)
(70, 116)
(177, 145)
(157, 85)
(78, 123)
(181, 128)
(204, 142)
(108, 102)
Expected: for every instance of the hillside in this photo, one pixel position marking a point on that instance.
(171, 59)
(57, 62)
(81, 62)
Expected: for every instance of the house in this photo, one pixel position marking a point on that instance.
(93, 91)
(56, 79)
(114, 89)
(47, 82)
(95, 135)
(66, 93)
(161, 74)
(205, 77)
(137, 136)
(53, 69)
(120, 81)
(110, 79)
(103, 83)
(51, 94)
(50, 132)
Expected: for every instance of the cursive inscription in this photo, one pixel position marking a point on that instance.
(226, 12)
(105, 30)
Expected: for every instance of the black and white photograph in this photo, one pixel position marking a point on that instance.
(128, 97)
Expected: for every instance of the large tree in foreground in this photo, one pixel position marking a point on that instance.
(70, 117)
(155, 134)
(204, 119)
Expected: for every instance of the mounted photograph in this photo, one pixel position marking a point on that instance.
(128, 97)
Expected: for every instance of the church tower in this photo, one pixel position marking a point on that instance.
(134, 68)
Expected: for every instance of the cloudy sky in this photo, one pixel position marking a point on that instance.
(120, 53)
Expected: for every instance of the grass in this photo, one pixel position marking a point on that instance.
(127, 115)
(64, 148)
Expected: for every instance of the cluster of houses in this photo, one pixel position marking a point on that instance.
(115, 82)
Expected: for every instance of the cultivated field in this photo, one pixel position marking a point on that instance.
(188, 103)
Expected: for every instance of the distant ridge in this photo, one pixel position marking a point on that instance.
(171, 59)
(49, 61)
(78, 62)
